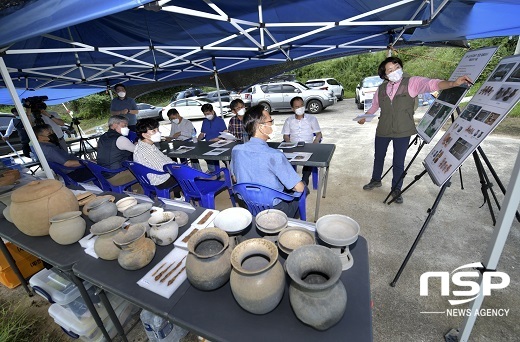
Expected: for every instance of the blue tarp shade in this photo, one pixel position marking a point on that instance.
(56, 96)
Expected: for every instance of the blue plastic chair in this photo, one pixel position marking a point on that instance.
(141, 174)
(99, 172)
(258, 198)
(60, 170)
(200, 186)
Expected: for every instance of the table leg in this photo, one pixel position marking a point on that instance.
(90, 305)
(321, 180)
(14, 267)
(325, 179)
(112, 315)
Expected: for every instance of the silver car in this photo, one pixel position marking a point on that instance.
(146, 110)
(277, 96)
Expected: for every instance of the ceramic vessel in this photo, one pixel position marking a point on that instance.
(136, 250)
(138, 213)
(317, 296)
(33, 205)
(291, 238)
(208, 262)
(181, 217)
(67, 228)
(233, 220)
(257, 278)
(100, 209)
(125, 203)
(163, 228)
(105, 230)
(7, 214)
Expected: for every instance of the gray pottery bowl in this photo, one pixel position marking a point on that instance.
(271, 221)
(337, 230)
(138, 213)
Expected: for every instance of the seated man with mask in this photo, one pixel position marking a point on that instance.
(52, 151)
(114, 148)
(256, 162)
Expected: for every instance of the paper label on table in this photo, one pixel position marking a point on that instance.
(287, 144)
(90, 187)
(302, 224)
(139, 197)
(227, 136)
(298, 156)
(176, 203)
(216, 151)
(167, 275)
(182, 149)
(367, 117)
(221, 143)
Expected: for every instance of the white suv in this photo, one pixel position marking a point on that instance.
(277, 96)
(327, 84)
(366, 89)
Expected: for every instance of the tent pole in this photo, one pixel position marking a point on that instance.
(496, 245)
(517, 50)
(12, 90)
(215, 73)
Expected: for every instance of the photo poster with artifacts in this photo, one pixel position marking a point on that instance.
(471, 64)
(488, 107)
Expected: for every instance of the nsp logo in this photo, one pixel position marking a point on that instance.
(490, 280)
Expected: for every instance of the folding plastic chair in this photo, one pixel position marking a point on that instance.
(141, 174)
(100, 172)
(258, 198)
(200, 186)
(60, 170)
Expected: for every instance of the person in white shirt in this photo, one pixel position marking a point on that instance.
(181, 129)
(301, 127)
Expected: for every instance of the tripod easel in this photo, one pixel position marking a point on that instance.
(84, 151)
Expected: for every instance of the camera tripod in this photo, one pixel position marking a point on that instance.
(84, 151)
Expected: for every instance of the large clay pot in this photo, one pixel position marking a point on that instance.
(100, 209)
(317, 296)
(33, 205)
(106, 230)
(136, 250)
(67, 228)
(163, 228)
(257, 279)
(207, 264)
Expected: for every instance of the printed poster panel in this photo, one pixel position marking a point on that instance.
(471, 64)
(490, 105)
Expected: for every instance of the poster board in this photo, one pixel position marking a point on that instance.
(471, 64)
(490, 105)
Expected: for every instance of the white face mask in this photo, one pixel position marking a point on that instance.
(156, 137)
(241, 112)
(125, 131)
(175, 121)
(395, 75)
(299, 111)
(270, 135)
(121, 94)
(210, 117)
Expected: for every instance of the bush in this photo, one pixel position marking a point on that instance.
(94, 106)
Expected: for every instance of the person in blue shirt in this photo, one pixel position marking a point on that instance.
(256, 162)
(124, 105)
(210, 131)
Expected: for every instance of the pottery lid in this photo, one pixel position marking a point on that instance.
(36, 190)
(137, 209)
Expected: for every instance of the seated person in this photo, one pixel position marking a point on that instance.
(52, 151)
(256, 162)
(181, 128)
(147, 154)
(301, 127)
(236, 124)
(211, 128)
(114, 148)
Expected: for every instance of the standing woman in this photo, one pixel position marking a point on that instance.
(396, 98)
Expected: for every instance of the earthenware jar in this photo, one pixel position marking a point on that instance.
(67, 228)
(33, 205)
(317, 296)
(181, 217)
(105, 231)
(136, 250)
(163, 228)
(100, 209)
(257, 279)
(138, 213)
(207, 264)
(125, 203)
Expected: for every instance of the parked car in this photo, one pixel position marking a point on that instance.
(190, 92)
(327, 84)
(277, 96)
(148, 111)
(366, 89)
(213, 95)
(190, 108)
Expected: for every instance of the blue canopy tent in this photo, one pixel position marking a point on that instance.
(73, 43)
